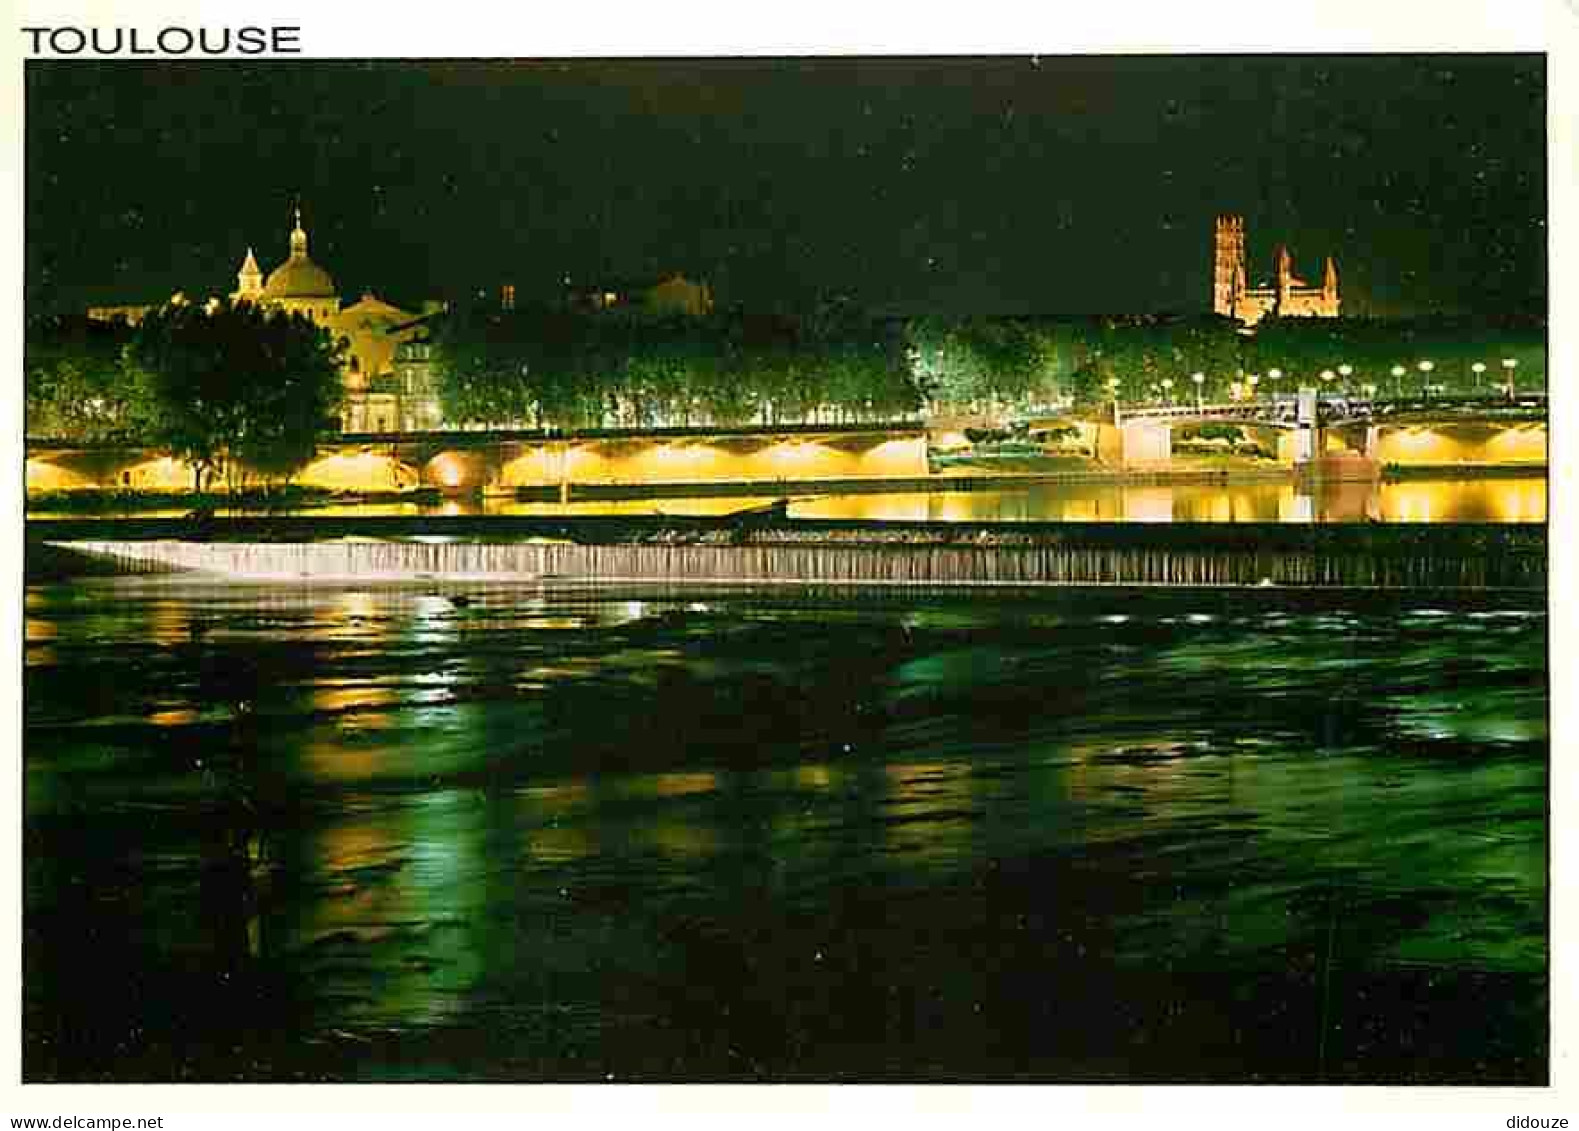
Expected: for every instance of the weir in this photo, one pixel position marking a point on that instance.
(1425, 557)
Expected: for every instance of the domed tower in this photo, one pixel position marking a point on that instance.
(300, 285)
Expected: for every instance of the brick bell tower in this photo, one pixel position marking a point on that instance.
(1228, 258)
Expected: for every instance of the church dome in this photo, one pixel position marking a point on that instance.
(298, 276)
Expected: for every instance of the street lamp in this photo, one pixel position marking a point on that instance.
(1326, 377)
(1252, 381)
(1199, 379)
(1425, 368)
(1274, 375)
(1398, 380)
(1478, 368)
(1167, 389)
(1509, 364)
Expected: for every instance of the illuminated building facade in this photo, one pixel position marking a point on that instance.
(672, 294)
(378, 396)
(1287, 296)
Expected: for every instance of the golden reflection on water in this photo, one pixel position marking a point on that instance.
(1487, 500)
(169, 622)
(928, 810)
(1512, 498)
(352, 698)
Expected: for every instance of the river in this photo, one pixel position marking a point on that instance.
(1506, 498)
(321, 832)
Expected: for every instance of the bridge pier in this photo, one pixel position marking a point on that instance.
(1137, 442)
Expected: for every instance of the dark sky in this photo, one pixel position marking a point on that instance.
(1051, 184)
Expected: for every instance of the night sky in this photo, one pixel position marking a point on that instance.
(1004, 185)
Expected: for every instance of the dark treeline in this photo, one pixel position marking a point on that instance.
(564, 368)
(202, 381)
(555, 367)
(220, 386)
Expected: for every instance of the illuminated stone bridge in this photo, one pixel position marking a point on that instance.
(497, 460)
(1334, 435)
(1341, 433)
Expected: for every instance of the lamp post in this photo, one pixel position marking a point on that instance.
(1326, 380)
(1425, 368)
(1251, 382)
(1398, 380)
(1274, 375)
(1477, 369)
(1509, 364)
(1346, 371)
(1200, 380)
(1167, 389)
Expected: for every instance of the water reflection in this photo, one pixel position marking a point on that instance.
(1498, 499)
(382, 833)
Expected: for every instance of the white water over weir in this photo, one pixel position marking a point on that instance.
(1391, 564)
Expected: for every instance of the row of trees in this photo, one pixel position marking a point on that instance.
(230, 384)
(219, 387)
(572, 369)
(554, 367)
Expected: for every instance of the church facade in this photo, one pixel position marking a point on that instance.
(1286, 296)
(379, 393)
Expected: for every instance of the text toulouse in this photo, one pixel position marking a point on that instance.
(165, 41)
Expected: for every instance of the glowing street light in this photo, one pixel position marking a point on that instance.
(1398, 379)
(1478, 368)
(1167, 389)
(1200, 380)
(1509, 364)
(1425, 368)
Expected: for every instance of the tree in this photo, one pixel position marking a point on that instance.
(75, 386)
(235, 385)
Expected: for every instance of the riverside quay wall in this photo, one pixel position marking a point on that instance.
(756, 549)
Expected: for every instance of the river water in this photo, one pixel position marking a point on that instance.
(1506, 498)
(530, 833)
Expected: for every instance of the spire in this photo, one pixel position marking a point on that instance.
(249, 279)
(1329, 282)
(298, 237)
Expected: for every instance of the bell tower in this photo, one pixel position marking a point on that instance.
(1228, 258)
(249, 279)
